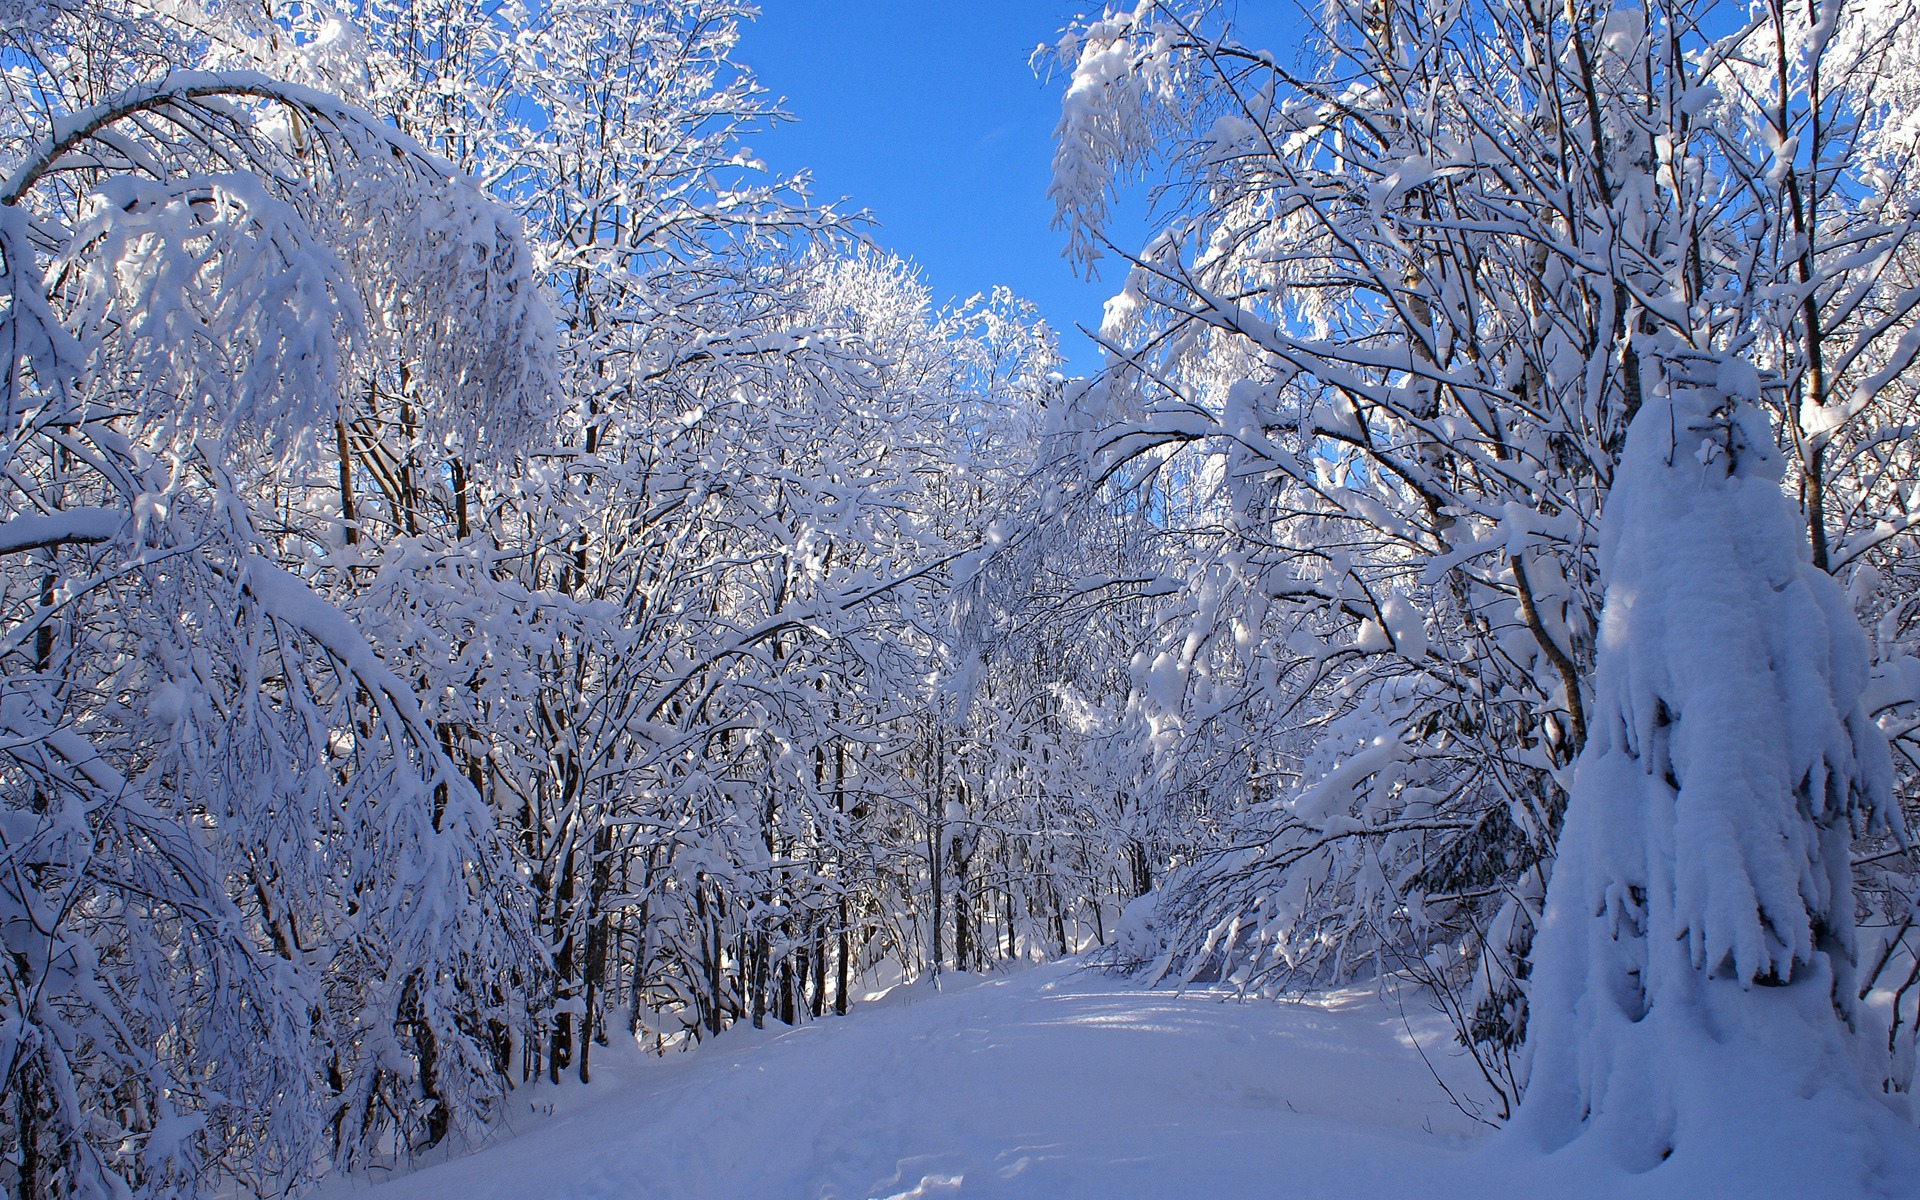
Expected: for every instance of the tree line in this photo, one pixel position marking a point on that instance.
(487, 569)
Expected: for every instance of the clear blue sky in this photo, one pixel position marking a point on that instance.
(928, 115)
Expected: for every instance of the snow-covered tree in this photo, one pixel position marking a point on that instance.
(250, 907)
(1693, 992)
(1402, 306)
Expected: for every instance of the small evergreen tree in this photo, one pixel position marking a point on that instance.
(1693, 992)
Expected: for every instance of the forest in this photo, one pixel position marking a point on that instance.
(489, 570)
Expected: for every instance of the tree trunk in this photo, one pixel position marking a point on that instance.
(26, 1102)
(936, 838)
(845, 964)
(963, 939)
(348, 522)
(819, 969)
(560, 1050)
(599, 932)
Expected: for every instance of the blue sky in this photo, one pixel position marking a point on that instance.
(928, 115)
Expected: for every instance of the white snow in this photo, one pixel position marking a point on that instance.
(1055, 1082)
(1692, 994)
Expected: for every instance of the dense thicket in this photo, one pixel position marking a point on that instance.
(485, 569)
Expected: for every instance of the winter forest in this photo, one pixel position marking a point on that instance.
(497, 585)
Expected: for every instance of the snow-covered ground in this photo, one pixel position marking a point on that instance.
(1047, 1083)
(1050, 1083)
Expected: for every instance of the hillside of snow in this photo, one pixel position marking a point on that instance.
(1052, 1083)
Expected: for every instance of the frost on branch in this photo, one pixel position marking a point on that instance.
(252, 916)
(1107, 126)
(1693, 988)
(177, 275)
(39, 348)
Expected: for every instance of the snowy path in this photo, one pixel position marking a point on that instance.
(1051, 1084)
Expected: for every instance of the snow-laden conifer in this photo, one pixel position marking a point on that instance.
(1693, 983)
